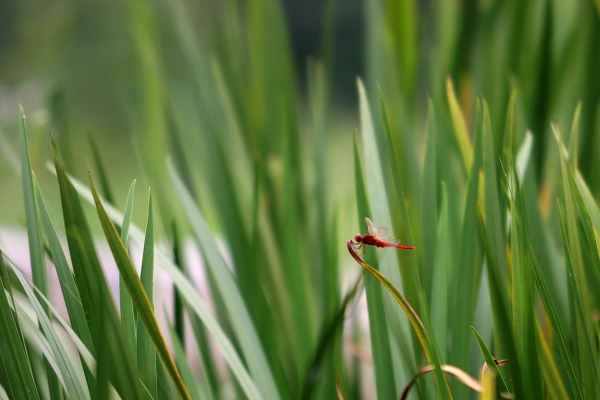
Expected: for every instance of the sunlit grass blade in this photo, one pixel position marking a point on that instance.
(460, 375)
(19, 383)
(488, 380)
(460, 126)
(549, 369)
(140, 299)
(146, 353)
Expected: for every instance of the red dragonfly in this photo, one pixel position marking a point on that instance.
(377, 237)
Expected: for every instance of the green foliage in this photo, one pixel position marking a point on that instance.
(244, 166)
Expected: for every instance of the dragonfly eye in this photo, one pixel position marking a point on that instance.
(358, 238)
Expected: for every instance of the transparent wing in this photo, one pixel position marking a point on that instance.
(382, 232)
(391, 240)
(371, 226)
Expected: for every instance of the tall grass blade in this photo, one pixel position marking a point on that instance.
(115, 362)
(146, 353)
(125, 303)
(194, 301)
(66, 372)
(19, 383)
(240, 319)
(139, 296)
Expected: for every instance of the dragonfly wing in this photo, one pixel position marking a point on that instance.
(371, 226)
(382, 233)
(391, 240)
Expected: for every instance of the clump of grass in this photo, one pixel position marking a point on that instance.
(501, 275)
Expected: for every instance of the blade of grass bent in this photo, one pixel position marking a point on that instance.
(66, 370)
(67, 283)
(146, 353)
(115, 361)
(422, 334)
(489, 359)
(195, 302)
(240, 318)
(14, 357)
(378, 326)
(140, 298)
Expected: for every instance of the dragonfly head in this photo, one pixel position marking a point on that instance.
(358, 238)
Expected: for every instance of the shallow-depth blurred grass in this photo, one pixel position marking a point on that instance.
(474, 139)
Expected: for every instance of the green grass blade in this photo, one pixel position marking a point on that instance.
(417, 325)
(67, 283)
(184, 367)
(467, 280)
(380, 341)
(489, 359)
(240, 318)
(404, 223)
(115, 362)
(125, 302)
(440, 287)
(523, 299)
(549, 369)
(146, 353)
(66, 371)
(20, 383)
(140, 298)
(492, 232)
(194, 301)
(34, 231)
(68, 286)
(578, 279)
(429, 210)
(460, 126)
(103, 176)
(557, 328)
